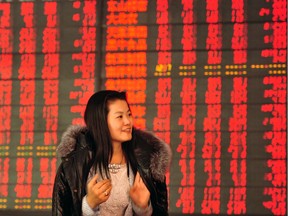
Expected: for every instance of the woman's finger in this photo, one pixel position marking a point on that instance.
(140, 180)
(108, 190)
(137, 177)
(104, 184)
(93, 181)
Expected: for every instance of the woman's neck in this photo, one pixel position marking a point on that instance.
(118, 156)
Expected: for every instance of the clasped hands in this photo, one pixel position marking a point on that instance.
(99, 192)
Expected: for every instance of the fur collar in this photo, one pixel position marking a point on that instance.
(159, 152)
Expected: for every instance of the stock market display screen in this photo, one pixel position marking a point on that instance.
(209, 77)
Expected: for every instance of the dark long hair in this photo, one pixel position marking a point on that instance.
(95, 118)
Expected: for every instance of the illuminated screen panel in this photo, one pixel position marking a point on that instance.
(209, 77)
(125, 55)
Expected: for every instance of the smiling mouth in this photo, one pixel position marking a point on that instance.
(127, 130)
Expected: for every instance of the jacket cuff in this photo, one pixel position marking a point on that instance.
(142, 212)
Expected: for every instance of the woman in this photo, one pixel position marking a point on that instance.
(109, 167)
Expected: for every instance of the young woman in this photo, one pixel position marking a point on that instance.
(109, 167)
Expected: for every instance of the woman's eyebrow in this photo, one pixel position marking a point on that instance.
(121, 112)
(118, 112)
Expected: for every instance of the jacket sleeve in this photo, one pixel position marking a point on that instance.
(62, 197)
(160, 204)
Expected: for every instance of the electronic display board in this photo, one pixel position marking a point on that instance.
(209, 77)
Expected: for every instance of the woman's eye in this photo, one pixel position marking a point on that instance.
(119, 116)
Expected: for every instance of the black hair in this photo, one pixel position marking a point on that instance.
(95, 118)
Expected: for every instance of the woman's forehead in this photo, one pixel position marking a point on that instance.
(118, 106)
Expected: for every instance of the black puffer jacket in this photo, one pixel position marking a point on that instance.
(153, 157)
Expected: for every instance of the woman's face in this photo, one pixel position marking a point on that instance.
(119, 121)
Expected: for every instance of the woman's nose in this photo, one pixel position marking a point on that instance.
(127, 120)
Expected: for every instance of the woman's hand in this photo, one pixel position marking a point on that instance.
(139, 193)
(98, 192)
